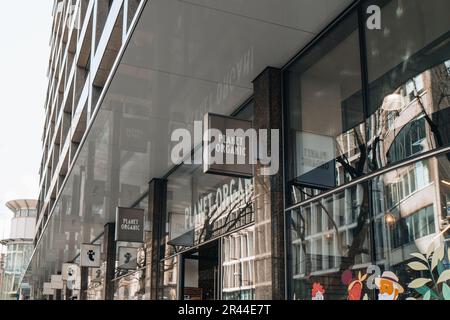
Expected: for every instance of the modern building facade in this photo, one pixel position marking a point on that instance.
(19, 247)
(85, 39)
(359, 92)
(2, 271)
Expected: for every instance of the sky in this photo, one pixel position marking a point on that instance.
(25, 28)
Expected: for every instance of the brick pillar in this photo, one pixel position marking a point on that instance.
(84, 282)
(269, 207)
(110, 258)
(156, 213)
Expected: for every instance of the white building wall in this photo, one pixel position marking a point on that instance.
(23, 228)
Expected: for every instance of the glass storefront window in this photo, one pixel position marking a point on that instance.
(409, 83)
(389, 231)
(202, 211)
(403, 242)
(131, 286)
(201, 207)
(343, 243)
(402, 112)
(170, 275)
(323, 150)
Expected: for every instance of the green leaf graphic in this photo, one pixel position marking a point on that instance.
(446, 291)
(422, 290)
(440, 267)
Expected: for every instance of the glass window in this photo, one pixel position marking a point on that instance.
(201, 206)
(407, 74)
(170, 277)
(324, 150)
(319, 258)
(400, 184)
(238, 279)
(408, 142)
(379, 242)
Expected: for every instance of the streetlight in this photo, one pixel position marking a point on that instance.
(389, 219)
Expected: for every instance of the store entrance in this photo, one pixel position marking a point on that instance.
(200, 273)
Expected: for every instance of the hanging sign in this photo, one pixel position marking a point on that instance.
(56, 282)
(69, 271)
(47, 290)
(90, 255)
(130, 224)
(71, 274)
(128, 258)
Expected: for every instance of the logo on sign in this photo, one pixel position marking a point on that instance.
(128, 257)
(130, 225)
(230, 146)
(90, 255)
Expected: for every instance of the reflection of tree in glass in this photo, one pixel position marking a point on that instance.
(441, 89)
(233, 215)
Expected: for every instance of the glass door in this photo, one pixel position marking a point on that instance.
(200, 270)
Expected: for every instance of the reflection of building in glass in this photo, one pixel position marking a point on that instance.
(19, 247)
(387, 220)
(81, 58)
(238, 265)
(129, 287)
(170, 279)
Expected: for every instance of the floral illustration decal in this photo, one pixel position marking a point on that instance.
(432, 287)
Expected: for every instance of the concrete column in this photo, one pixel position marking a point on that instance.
(110, 257)
(269, 207)
(156, 213)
